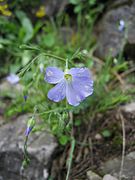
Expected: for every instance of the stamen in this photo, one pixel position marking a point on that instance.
(68, 77)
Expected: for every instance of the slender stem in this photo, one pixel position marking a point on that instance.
(26, 68)
(70, 157)
(54, 110)
(124, 146)
(54, 56)
(72, 147)
(67, 63)
(26, 158)
(42, 54)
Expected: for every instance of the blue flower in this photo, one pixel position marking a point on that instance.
(13, 79)
(74, 84)
(121, 25)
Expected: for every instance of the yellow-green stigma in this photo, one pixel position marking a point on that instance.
(68, 77)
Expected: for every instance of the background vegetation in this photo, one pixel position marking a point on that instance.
(30, 39)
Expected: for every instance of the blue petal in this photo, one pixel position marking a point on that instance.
(72, 96)
(80, 72)
(58, 93)
(53, 75)
(83, 86)
(78, 90)
(28, 130)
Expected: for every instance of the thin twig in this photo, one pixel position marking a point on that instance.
(84, 142)
(125, 73)
(123, 147)
(91, 150)
(69, 161)
(119, 78)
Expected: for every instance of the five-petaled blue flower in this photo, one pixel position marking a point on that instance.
(75, 84)
(13, 79)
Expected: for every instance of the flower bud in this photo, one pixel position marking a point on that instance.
(30, 125)
(25, 97)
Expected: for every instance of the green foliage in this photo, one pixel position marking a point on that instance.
(78, 122)
(87, 11)
(29, 46)
(26, 31)
(19, 29)
(106, 133)
(107, 95)
(63, 140)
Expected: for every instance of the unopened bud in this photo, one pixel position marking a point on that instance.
(30, 125)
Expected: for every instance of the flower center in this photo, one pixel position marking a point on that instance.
(68, 77)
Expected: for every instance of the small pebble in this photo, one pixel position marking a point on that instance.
(98, 137)
(93, 176)
(109, 177)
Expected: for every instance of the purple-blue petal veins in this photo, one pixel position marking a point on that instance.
(80, 72)
(75, 84)
(53, 75)
(58, 92)
(13, 79)
(72, 97)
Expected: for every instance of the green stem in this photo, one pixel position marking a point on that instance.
(54, 56)
(54, 110)
(70, 157)
(26, 68)
(26, 158)
(67, 63)
(69, 162)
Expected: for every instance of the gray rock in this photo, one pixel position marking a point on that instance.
(128, 111)
(7, 89)
(110, 39)
(93, 176)
(112, 167)
(109, 177)
(41, 146)
(129, 108)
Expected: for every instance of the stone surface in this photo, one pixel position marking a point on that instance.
(129, 111)
(110, 39)
(41, 146)
(10, 90)
(93, 176)
(112, 167)
(129, 108)
(109, 177)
